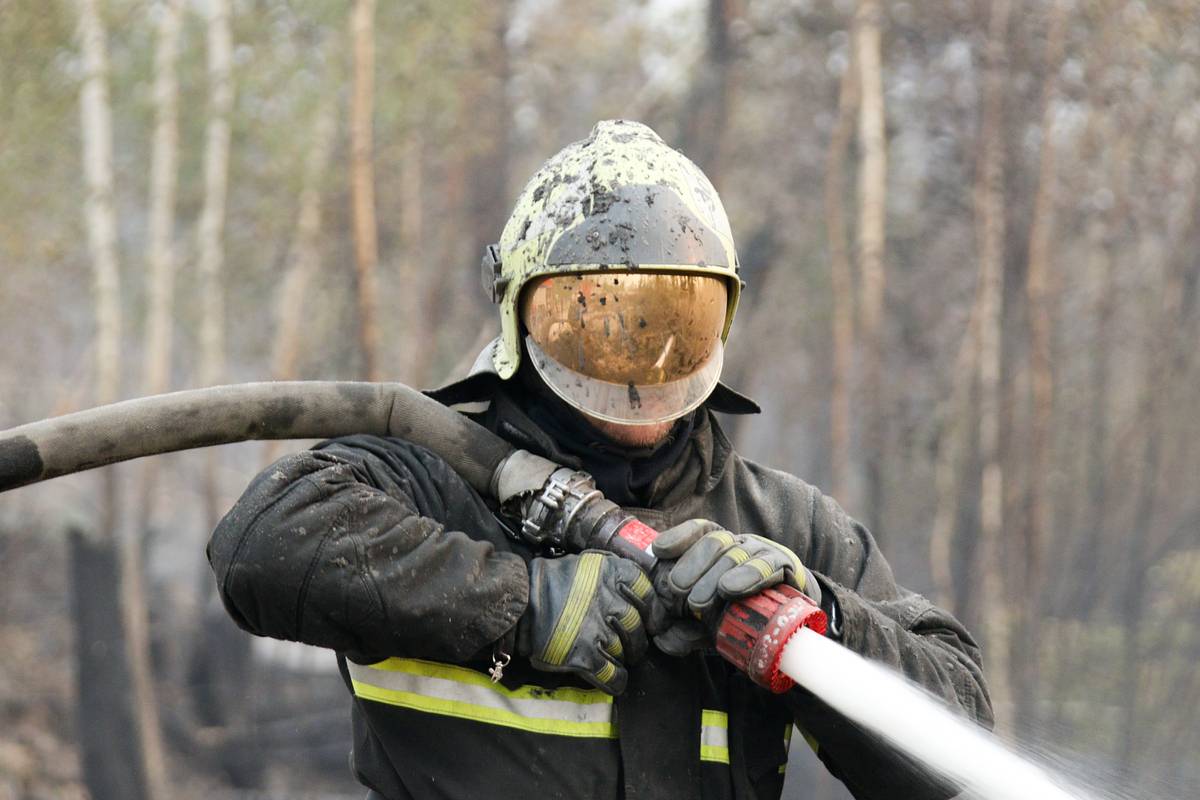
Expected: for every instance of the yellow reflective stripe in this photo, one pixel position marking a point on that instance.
(797, 567)
(453, 691)
(615, 648)
(641, 587)
(583, 589)
(764, 569)
(737, 555)
(714, 736)
(452, 672)
(808, 737)
(605, 674)
(724, 537)
(630, 619)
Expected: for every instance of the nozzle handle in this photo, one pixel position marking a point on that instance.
(751, 632)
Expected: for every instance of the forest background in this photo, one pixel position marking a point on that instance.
(970, 233)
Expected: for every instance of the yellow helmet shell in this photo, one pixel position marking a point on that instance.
(619, 200)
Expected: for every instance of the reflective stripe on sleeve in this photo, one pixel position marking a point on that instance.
(583, 589)
(454, 691)
(714, 736)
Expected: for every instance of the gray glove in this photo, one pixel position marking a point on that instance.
(704, 566)
(585, 616)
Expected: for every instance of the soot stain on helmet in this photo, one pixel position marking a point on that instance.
(600, 200)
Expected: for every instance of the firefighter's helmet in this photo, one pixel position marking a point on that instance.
(618, 268)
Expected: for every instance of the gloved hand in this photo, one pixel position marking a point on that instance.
(704, 566)
(585, 617)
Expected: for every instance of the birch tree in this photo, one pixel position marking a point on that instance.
(872, 206)
(160, 255)
(841, 280)
(990, 228)
(1040, 295)
(109, 696)
(362, 189)
(160, 268)
(211, 232)
(210, 243)
(305, 253)
(417, 302)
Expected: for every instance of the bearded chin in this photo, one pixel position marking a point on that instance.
(633, 435)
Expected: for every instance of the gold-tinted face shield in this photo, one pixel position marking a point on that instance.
(628, 347)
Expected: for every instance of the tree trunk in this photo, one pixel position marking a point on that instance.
(160, 257)
(96, 121)
(950, 463)
(116, 764)
(305, 251)
(111, 757)
(1142, 547)
(1040, 292)
(841, 283)
(211, 245)
(305, 256)
(706, 115)
(990, 211)
(212, 222)
(362, 170)
(872, 207)
(1092, 543)
(416, 299)
(156, 369)
(489, 201)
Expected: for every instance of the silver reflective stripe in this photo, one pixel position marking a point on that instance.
(714, 736)
(449, 690)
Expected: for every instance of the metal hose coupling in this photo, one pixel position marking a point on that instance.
(560, 508)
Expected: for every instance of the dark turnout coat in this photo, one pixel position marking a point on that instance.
(376, 549)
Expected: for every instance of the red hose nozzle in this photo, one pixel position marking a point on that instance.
(754, 630)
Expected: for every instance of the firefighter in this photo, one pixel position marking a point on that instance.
(483, 666)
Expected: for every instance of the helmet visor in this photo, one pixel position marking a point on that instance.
(633, 348)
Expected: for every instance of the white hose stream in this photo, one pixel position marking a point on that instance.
(881, 700)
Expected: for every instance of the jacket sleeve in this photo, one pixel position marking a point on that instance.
(370, 546)
(885, 623)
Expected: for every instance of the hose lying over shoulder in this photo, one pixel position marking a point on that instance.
(235, 413)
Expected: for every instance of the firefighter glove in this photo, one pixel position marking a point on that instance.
(585, 617)
(711, 566)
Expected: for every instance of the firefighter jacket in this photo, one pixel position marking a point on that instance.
(374, 548)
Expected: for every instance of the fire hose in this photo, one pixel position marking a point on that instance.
(555, 506)
(773, 637)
